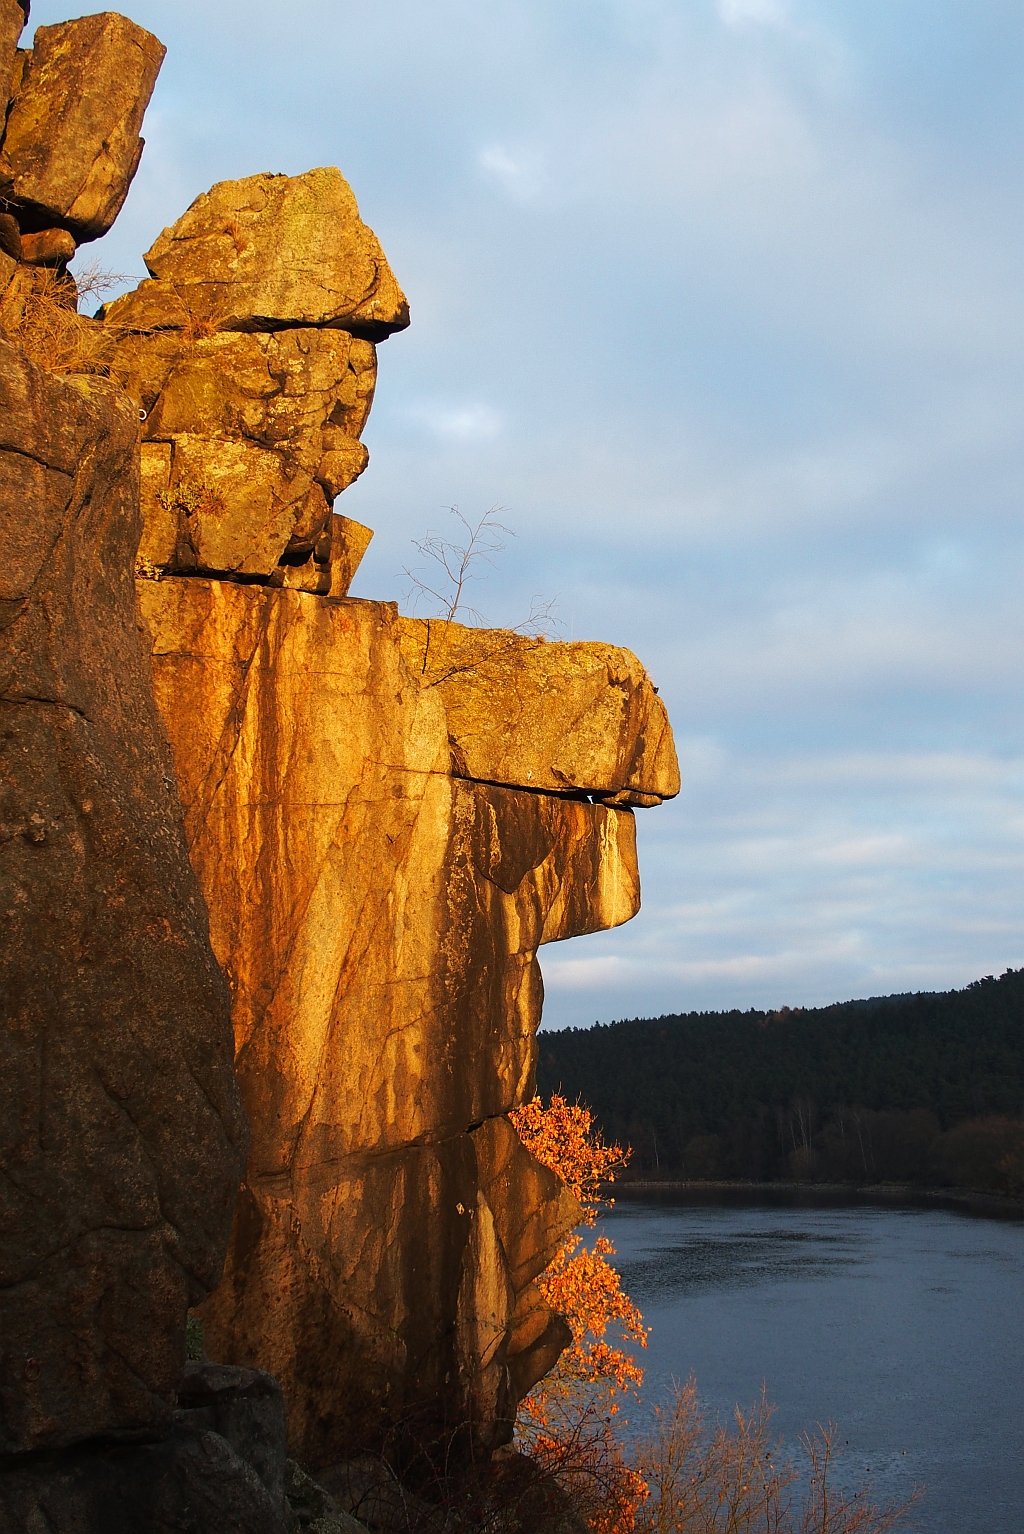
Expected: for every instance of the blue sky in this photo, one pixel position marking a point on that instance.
(722, 300)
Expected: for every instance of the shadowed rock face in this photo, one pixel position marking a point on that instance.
(121, 1131)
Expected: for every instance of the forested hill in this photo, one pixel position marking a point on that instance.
(769, 1094)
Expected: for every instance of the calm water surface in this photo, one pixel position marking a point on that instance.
(903, 1324)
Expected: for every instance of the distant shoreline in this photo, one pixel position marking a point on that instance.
(966, 1198)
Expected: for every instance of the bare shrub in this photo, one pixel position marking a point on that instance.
(467, 557)
(713, 1480)
(455, 564)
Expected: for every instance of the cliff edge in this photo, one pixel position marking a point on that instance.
(384, 819)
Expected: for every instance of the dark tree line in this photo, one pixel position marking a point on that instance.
(924, 1088)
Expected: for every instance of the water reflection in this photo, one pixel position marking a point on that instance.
(737, 1259)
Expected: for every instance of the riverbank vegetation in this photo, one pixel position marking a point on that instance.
(580, 1470)
(925, 1089)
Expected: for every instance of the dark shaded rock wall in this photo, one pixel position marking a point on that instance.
(122, 1131)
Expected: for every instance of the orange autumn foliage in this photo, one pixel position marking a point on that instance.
(581, 1283)
(566, 1419)
(687, 1474)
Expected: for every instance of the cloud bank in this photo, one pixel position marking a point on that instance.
(723, 303)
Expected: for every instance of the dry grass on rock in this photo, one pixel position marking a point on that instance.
(39, 315)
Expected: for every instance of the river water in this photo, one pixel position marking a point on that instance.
(902, 1323)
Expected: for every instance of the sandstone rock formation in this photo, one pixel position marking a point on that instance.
(378, 919)
(121, 1134)
(252, 355)
(72, 146)
(552, 717)
(387, 818)
(247, 440)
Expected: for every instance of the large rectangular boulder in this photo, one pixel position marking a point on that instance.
(268, 253)
(559, 718)
(72, 145)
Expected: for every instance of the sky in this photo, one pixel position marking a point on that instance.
(721, 301)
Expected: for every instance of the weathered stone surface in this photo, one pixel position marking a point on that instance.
(314, 1506)
(10, 237)
(349, 542)
(533, 1209)
(72, 143)
(13, 16)
(557, 717)
(121, 1132)
(246, 1407)
(379, 921)
(533, 1212)
(50, 247)
(236, 506)
(188, 1481)
(278, 391)
(269, 253)
(306, 754)
(537, 1339)
(247, 440)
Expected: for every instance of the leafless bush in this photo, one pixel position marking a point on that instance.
(713, 1480)
(456, 562)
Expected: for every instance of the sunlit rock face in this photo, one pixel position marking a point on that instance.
(378, 918)
(269, 253)
(251, 354)
(388, 818)
(13, 16)
(559, 718)
(71, 145)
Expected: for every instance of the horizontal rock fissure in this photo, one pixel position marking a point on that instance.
(27, 453)
(577, 795)
(72, 708)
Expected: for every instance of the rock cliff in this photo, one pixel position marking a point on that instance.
(122, 1134)
(386, 817)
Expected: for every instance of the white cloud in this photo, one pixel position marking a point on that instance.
(457, 423)
(743, 13)
(522, 176)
